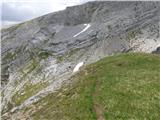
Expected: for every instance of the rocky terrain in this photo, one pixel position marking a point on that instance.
(38, 56)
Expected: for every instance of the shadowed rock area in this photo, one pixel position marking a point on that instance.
(38, 56)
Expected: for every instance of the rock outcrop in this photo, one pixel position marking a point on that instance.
(41, 54)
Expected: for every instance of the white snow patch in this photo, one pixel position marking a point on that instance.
(76, 69)
(87, 26)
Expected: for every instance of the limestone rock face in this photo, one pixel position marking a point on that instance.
(41, 54)
(157, 51)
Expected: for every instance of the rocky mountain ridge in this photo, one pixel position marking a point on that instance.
(43, 52)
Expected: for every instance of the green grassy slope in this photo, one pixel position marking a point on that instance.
(120, 87)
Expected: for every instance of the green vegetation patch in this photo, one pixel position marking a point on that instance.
(132, 34)
(44, 54)
(69, 103)
(68, 55)
(120, 87)
(29, 88)
(12, 28)
(28, 91)
(9, 56)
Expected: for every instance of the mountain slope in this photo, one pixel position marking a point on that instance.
(39, 56)
(125, 86)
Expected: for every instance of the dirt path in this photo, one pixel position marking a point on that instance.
(96, 106)
(99, 112)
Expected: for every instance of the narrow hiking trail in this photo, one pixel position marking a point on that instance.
(98, 108)
(99, 112)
